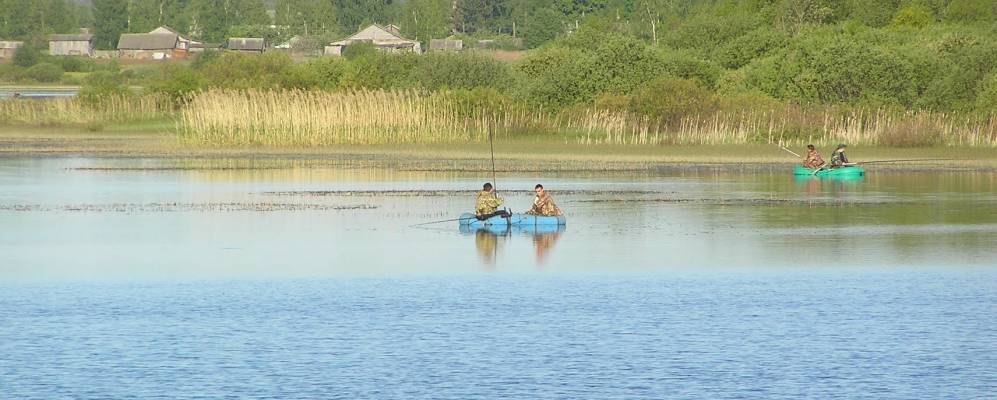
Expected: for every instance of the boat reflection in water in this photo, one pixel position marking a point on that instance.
(487, 240)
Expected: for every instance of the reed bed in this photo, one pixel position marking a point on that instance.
(316, 118)
(78, 111)
(791, 127)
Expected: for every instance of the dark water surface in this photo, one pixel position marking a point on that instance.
(146, 278)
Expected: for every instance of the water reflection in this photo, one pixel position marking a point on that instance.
(489, 240)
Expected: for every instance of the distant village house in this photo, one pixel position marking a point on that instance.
(162, 43)
(446, 45)
(8, 48)
(149, 46)
(246, 45)
(386, 38)
(79, 44)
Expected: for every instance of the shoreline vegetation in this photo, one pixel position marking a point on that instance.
(156, 140)
(900, 78)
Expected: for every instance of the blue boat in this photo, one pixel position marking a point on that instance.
(470, 220)
(506, 230)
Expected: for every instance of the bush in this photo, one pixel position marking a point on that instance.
(204, 59)
(45, 72)
(459, 71)
(74, 64)
(329, 71)
(177, 83)
(11, 73)
(245, 71)
(101, 85)
(986, 95)
(26, 56)
(755, 44)
(668, 100)
(914, 16)
(557, 77)
(357, 50)
(379, 70)
(971, 11)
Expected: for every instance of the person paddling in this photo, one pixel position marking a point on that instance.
(487, 204)
(813, 160)
(543, 204)
(838, 158)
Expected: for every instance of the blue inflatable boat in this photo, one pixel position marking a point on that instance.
(470, 220)
(507, 230)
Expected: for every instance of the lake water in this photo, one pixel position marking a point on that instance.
(125, 278)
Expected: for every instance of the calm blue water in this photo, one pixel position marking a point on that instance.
(207, 284)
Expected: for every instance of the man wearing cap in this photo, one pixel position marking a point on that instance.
(487, 204)
(838, 158)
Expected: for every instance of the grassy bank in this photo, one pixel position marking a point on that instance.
(155, 140)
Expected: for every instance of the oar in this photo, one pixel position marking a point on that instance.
(790, 152)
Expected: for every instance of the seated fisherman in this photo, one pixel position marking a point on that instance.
(543, 204)
(487, 204)
(814, 160)
(838, 158)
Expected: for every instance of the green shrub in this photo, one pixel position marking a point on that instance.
(101, 85)
(971, 11)
(914, 16)
(177, 83)
(45, 72)
(986, 95)
(245, 71)
(329, 71)
(204, 59)
(556, 77)
(380, 70)
(26, 56)
(11, 73)
(668, 100)
(459, 71)
(755, 44)
(74, 64)
(357, 50)
(684, 64)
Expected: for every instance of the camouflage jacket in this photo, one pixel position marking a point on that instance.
(813, 160)
(487, 203)
(838, 159)
(544, 205)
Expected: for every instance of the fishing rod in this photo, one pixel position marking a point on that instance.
(436, 222)
(906, 160)
(491, 145)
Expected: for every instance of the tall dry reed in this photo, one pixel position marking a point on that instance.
(314, 118)
(78, 111)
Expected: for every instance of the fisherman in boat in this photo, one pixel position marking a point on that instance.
(813, 160)
(487, 204)
(838, 158)
(543, 204)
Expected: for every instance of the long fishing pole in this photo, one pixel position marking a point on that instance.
(491, 145)
(907, 160)
(436, 222)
